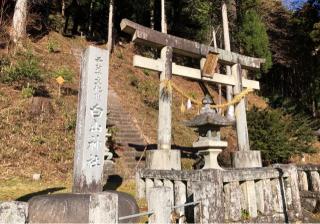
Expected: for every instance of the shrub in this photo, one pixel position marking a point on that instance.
(52, 46)
(278, 135)
(25, 70)
(56, 22)
(65, 73)
(27, 92)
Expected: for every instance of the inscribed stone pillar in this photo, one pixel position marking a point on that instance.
(91, 121)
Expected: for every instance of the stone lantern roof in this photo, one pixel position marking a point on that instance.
(209, 118)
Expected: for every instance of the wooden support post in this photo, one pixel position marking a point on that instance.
(227, 47)
(165, 100)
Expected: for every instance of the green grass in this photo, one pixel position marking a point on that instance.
(23, 188)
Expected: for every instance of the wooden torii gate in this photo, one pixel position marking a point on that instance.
(164, 157)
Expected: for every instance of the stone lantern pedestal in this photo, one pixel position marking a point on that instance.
(210, 150)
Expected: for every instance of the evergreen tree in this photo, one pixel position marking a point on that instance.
(252, 35)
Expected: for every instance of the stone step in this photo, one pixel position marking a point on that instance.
(126, 136)
(120, 118)
(128, 131)
(117, 121)
(128, 143)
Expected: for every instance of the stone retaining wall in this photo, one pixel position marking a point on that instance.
(256, 194)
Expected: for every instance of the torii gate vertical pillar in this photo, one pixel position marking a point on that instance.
(164, 158)
(244, 158)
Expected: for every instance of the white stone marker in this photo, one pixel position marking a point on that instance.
(91, 121)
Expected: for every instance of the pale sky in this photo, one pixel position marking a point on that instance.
(292, 4)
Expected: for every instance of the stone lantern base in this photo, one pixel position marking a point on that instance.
(210, 151)
(211, 158)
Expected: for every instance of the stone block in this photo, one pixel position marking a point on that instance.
(149, 185)
(160, 203)
(232, 200)
(277, 196)
(104, 207)
(163, 160)
(180, 195)
(303, 181)
(140, 186)
(246, 159)
(315, 181)
(13, 212)
(249, 194)
(211, 202)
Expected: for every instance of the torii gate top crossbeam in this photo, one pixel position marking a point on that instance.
(186, 47)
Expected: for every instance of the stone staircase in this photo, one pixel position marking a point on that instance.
(128, 138)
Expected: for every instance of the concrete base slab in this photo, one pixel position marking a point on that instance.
(246, 159)
(163, 159)
(13, 212)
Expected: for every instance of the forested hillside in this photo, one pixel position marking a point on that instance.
(38, 114)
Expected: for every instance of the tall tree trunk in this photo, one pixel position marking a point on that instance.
(63, 7)
(110, 26)
(152, 14)
(90, 18)
(19, 21)
(163, 17)
(230, 111)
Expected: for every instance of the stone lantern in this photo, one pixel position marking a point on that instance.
(208, 124)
